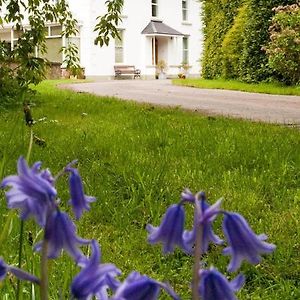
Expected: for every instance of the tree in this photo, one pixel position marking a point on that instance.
(20, 66)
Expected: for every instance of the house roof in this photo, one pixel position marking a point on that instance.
(159, 28)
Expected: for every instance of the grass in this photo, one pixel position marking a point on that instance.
(136, 159)
(265, 88)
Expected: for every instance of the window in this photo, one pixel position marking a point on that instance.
(184, 10)
(119, 48)
(53, 43)
(154, 8)
(55, 30)
(185, 50)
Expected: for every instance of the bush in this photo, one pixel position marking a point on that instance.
(218, 18)
(254, 61)
(234, 34)
(232, 45)
(284, 48)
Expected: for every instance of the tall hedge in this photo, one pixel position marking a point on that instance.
(254, 62)
(217, 16)
(235, 32)
(232, 45)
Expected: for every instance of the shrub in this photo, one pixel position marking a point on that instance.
(234, 35)
(284, 48)
(232, 45)
(218, 18)
(254, 61)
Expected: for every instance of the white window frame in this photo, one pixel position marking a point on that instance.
(120, 47)
(185, 50)
(185, 10)
(154, 7)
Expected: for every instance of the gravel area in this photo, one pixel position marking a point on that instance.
(256, 107)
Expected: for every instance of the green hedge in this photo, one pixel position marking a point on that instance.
(235, 33)
(232, 45)
(218, 17)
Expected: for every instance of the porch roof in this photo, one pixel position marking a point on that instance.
(159, 28)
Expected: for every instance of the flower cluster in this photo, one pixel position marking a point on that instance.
(33, 193)
(243, 243)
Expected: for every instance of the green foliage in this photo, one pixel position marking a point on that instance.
(232, 45)
(21, 63)
(218, 18)
(107, 24)
(284, 48)
(21, 66)
(254, 63)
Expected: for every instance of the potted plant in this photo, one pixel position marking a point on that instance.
(184, 70)
(161, 69)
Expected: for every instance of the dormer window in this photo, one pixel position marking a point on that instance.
(184, 10)
(154, 8)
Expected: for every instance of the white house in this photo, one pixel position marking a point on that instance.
(150, 31)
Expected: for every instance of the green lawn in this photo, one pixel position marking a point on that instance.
(136, 159)
(265, 88)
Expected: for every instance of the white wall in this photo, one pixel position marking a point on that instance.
(137, 47)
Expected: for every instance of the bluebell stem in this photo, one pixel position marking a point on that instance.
(31, 192)
(196, 241)
(141, 287)
(4, 269)
(94, 279)
(60, 234)
(170, 230)
(243, 243)
(207, 216)
(79, 200)
(215, 286)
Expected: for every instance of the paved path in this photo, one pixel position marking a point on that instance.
(258, 107)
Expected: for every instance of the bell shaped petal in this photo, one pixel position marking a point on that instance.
(94, 279)
(31, 192)
(60, 234)
(243, 243)
(188, 196)
(141, 287)
(79, 200)
(4, 268)
(215, 286)
(170, 231)
(207, 216)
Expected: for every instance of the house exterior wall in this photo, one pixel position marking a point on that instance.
(137, 47)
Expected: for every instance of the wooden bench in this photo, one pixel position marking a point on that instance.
(127, 71)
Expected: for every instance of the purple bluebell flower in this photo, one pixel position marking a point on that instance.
(141, 287)
(215, 286)
(205, 218)
(94, 279)
(60, 234)
(79, 200)
(170, 230)
(31, 192)
(4, 268)
(243, 242)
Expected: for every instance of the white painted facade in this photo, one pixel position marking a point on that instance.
(141, 50)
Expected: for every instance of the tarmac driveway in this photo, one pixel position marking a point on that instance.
(257, 107)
